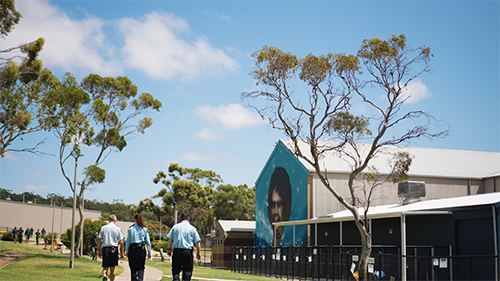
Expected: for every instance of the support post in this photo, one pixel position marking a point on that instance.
(53, 215)
(403, 247)
(495, 238)
(60, 226)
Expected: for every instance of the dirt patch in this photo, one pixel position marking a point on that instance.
(9, 258)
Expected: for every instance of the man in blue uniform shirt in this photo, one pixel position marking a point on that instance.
(181, 238)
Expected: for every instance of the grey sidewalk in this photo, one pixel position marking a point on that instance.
(150, 273)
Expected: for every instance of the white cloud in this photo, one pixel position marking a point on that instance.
(416, 91)
(32, 187)
(12, 157)
(232, 116)
(219, 15)
(154, 47)
(225, 157)
(42, 171)
(69, 43)
(198, 157)
(207, 134)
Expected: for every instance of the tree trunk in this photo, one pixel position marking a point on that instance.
(366, 249)
(80, 212)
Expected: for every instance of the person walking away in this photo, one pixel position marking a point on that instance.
(108, 241)
(181, 239)
(37, 236)
(93, 246)
(43, 232)
(31, 232)
(14, 233)
(27, 235)
(20, 235)
(135, 248)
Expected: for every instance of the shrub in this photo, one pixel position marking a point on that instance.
(160, 244)
(48, 237)
(89, 229)
(7, 236)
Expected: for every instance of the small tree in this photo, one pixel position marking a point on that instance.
(324, 120)
(187, 190)
(97, 113)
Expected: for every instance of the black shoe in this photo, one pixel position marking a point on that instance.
(104, 279)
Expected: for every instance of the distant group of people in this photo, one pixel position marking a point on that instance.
(28, 233)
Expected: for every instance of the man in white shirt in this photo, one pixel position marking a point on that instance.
(108, 241)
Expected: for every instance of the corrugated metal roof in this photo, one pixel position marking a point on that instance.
(427, 162)
(241, 226)
(434, 206)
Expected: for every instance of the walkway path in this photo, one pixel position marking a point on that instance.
(10, 257)
(204, 279)
(150, 273)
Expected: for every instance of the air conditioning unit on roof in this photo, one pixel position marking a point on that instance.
(411, 191)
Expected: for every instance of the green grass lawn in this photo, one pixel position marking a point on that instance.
(41, 264)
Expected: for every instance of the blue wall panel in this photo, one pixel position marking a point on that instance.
(283, 178)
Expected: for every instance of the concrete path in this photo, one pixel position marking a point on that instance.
(150, 273)
(204, 278)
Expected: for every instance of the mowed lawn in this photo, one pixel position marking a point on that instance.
(41, 264)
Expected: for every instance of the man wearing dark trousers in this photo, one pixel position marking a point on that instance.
(182, 238)
(108, 241)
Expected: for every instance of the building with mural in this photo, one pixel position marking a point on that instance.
(288, 190)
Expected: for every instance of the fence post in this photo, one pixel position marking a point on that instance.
(451, 263)
(471, 268)
(232, 259)
(496, 267)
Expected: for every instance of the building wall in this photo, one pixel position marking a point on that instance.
(221, 254)
(325, 203)
(490, 185)
(24, 215)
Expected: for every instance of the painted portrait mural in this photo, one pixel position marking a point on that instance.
(281, 195)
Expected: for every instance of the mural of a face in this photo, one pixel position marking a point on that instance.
(279, 199)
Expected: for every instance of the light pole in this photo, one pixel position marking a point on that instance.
(160, 226)
(72, 257)
(81, 230)
(175, 211)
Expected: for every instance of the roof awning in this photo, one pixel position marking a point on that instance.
(326, 219)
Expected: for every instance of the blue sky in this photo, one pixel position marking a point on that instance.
(195, 57)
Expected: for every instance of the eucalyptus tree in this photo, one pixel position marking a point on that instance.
(320, 112)
(186, 190)
(231, 202)
(23, 101)
(9, 16)
(100, 114)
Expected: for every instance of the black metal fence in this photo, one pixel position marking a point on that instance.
(339, 263)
